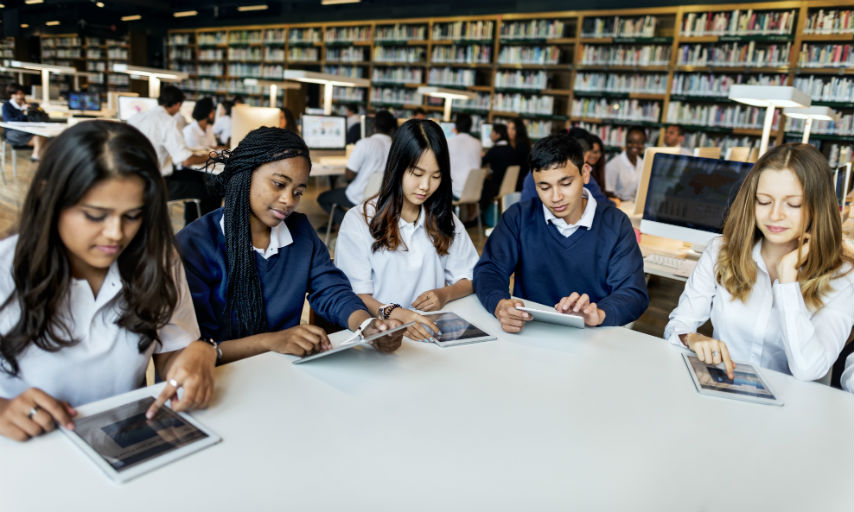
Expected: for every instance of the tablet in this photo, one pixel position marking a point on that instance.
(553, 317)
(746, 384)
(351, 343)
(124, 444)
(456, 330)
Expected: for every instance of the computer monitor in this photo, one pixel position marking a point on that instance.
(688, 196)
(130, 106)
(324, 132)
(245, 118)
(84, 101)
(113, 99)
(367, 126)
(486, 135)
(187, 111)
(844, 183)
(54, 92)
(447, 129)
(640, 196)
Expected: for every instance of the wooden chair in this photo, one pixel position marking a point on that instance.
(742, 154)
(472, 189)
(372, 187)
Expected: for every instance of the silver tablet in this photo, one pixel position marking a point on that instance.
(351, 343)
(747, 384)
(456, 330)
(553, 317)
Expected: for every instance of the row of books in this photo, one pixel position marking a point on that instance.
(529, 55)
(394, 96)
(117, 53)
(172, 39)
(653, 83)
(705, 139)
(830, 21)
(274, 54)
(59, 42)
(611, 135)
(840, 154)
(715, 85)
(523, 103)
(204, 53)
(239, 87)
(213, 69)
(451, 77)
(626, 55)
(482, 102)
(118, 80)
(244, 53)
(304, 35)
(827, 88)
(245, 36)
(184, 67)
(735, 54)
(347, 34)
(622, 110)
(304, 54)
(401, 33)
(398, 54)
(94, 53)
(212, 38)
(537, 129)
(534, 80)
(826, 55)
(348, 54)
(96, 66)
(62, 53)
(844, 125)
(249, 70)
(349, 94)
(478, 54)
(274, 35)
(474, 30)
(716, 115)
(738, 22)
(619, 26)
(540, 29)
(348, 71)
(398, 75)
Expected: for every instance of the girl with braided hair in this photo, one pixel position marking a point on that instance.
(251, 263)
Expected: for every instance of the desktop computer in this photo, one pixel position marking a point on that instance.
(486, 135)
(367, 126)
(447, 129)
(844, 183)
(244, 119)
(84, 101)
(187, 111)
(129, 106)
(324, 132)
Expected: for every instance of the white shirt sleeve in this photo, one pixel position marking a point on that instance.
(173, 141)
(847, 379)
(190, 136)
(695, 303)
(461, 257)
(612, 168)
(182, 328)
(357, 157)
(353, 251)
(813, 341)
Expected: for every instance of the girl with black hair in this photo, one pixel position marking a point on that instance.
(92, 287)
(251, 263)
(404, 248)
(498, 158)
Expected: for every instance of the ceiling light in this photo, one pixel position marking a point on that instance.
(245, 8)
(33, 2)
(24, 25)
(185, 14)
(335, 2)
(99, 4)
(52, 23)
(132, 17)
(2, 6)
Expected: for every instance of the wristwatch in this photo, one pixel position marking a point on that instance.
(215, 345)
(384, 311)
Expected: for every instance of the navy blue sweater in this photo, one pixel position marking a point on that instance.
(299, 268)
(604, 262)
(12, 114)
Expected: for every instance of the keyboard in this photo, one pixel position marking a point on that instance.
(672, 265)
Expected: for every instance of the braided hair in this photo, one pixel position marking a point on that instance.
(245, 311)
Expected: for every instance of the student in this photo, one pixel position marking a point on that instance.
(354, 124)
(847, 378)
(250, 264)
(411, 251)
(287, 120)
(465, 152)
(222, 125)
(419, 113)
(564, 247)
(368, 157)
(623, 172)
(199, 134)
(777, 285)
(15, 110)
(159, 126)
(92, 288)
(498, 158)
(518, 135)
(674, 137)
(585, 140)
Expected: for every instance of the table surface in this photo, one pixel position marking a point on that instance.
(552, 419)
(48, 130)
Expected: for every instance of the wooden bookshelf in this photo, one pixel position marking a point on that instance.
(88, 54)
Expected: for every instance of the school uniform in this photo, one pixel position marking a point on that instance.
(198, 138)
(847, 379)
(622, 177)
(12, 112)
(464, 152)
(598, 255)
(529, 190)
(295, 263)
(402, 275)
(106, 361)
(498, 158)
(222, 129)
(773, 328)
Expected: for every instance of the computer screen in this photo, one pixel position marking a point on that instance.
(245, 118)
(130, 106)
(844, 183)
(367, 127)
(84, 101)
(485, 135)
(447, 129)
(187, 111)
(324, 132)
(688, 197)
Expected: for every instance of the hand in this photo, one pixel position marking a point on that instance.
(710, 351)
(191, 370)
(301, 340)
(576, 303)
(419, 331)
(17, 422)
(512, 320)
(384, 344)
(789, 265)
(431, 300)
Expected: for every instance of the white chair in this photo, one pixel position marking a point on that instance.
(508, 185)
(13, 149)
(472, 189)
(372, 187)
(183, 202)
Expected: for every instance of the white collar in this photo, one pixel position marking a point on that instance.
(625, 157)
(501, 142)
(15, 104)
(111, 286)
(586, 219)
(419, 222)
(280, 236)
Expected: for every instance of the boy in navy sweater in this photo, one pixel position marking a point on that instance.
(564, 247)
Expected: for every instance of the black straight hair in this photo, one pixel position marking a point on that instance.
(555, 151)
(501, 130)
(81, 157)
(384, 122)
(463, 123)
(245, 310)
(169, 96)
(203, 109)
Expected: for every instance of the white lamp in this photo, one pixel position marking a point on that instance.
(810, 114)
(45, 70)
(328, 81)
(273, 85)
(770, 97)
(155, 76)
(19, 71)
(449, 95)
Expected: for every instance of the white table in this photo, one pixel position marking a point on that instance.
(553, 419)
(48, 130)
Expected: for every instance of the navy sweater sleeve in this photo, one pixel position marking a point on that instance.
(498, 261)
(199, 252)
(629, 298)
(12, 114)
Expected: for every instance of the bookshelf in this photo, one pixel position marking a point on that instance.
(88, 54)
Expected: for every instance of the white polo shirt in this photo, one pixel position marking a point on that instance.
(464, 151)
(106, 360)
(401, 276)
(222, 128)
(196, 138)
(622, 178)
(369, 156)
(564, 228)
(280, 236)
(162, 131)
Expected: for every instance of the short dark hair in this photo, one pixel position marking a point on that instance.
(384, 122)
(500, 129)
(203, 109)
(463, 123)
(678, 129)
(555, 151)
(636, 129)
(227, 104)
(583, 137)
(419, 112)
(238, 99)
(169, 96)
(13, 88)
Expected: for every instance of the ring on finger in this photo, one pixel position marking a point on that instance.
(715, 353)
(33, 412)
(174, 383)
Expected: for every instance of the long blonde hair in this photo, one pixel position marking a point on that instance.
(736, 270)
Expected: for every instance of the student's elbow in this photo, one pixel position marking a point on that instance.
(807, 372)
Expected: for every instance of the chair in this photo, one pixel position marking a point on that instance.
(742, 154)
(508, 184)
(507, 200)
(14, 148)
(372, 187)
(193, 200)
(472, 189)
(708, 152)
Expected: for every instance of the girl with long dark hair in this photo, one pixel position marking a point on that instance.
(251, 263)
(404, 248)
(92, 287)
(518, 135)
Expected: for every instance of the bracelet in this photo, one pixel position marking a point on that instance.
(215, 345)
(384, 311)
